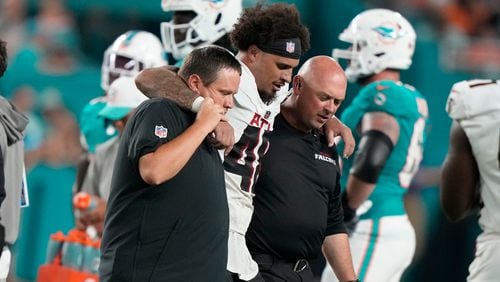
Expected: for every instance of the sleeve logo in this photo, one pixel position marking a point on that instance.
(290, 47)
(161, 131)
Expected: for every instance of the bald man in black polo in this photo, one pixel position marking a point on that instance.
(297, 203)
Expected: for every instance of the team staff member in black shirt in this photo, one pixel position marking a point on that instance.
(167, 218)
(297, 203)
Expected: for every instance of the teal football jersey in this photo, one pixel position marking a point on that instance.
(410, 110)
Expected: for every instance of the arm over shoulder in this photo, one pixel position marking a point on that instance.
(164, 82)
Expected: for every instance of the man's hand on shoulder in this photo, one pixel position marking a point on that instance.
(333, 128)
(223, 137)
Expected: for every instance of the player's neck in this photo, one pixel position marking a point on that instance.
(289, 113)
(387, 74)
(243, 57)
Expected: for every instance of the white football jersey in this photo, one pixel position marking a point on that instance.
(251, 118)
(475, 104)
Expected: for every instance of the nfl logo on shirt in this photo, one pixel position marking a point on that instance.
(290, 47)
(267, 115)
(161, 131)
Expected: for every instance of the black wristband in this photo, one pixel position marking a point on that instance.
(349, 213)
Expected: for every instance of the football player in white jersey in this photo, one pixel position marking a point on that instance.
(270, 40)
(194, 23)
(471, 170)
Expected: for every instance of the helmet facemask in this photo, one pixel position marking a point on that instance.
(129, 54)
(179, 36)
(116, 65)
(197, 23)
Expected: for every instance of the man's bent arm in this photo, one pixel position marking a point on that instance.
(161, 165)
(380, 132)
(163, 82)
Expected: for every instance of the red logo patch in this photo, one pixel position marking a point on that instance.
(161, 131)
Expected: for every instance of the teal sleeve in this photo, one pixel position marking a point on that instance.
(386, 96)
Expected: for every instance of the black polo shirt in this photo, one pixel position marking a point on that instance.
(297, 196)
(176, 231)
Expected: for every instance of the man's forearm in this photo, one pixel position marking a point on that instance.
(358, 191)
(338, 255)
(163, 82)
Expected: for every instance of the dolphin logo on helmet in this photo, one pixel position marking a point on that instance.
(380, 39)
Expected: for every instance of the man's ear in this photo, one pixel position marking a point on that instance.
(297, 84)
(253, 52)
(194, 83)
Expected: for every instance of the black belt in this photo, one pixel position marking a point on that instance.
(297, 265)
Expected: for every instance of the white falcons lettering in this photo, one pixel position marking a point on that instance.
(325, 159)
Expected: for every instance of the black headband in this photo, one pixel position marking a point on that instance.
(288, 47)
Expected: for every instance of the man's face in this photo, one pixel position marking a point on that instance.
(120, 65)
(183, 17)
(319, 98)
(120, 124)
(223, 88)
(271, 72)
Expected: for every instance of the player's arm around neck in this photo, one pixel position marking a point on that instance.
(460, 177)
(380, 133)
(164, 82)
(163, 164)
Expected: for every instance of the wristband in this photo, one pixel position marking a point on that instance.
(349, 213)
(195, 107)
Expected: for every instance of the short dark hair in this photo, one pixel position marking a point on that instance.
(3, 57)
(207, 61)
(263, 24)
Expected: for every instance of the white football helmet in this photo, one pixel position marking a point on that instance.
(380, 39)
(130, 53)
(210, 20)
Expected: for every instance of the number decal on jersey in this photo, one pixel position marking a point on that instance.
(243, 160)
(415, 149)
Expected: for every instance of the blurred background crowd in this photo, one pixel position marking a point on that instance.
(55, 53)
